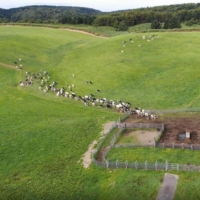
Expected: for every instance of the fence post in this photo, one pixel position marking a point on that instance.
(173, 145)
(126, 163)
(107, 163)
(136, 164)
(182, 145)
(146, 164)
(163, 145)
(166, 165)
(117, 162)
(154, 142)
(191, 147)
(156, 165)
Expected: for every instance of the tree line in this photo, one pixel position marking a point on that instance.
(159, 16)
(157, 19)
(49, 14)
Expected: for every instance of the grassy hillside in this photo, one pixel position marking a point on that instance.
(43, 137)
(162, 73)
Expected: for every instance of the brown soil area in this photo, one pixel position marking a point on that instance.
(144, 137)
(175, 125)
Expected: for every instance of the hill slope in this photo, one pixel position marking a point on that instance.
(43, 137)
(161, 73)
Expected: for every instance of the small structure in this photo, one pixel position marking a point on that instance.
(187, 134)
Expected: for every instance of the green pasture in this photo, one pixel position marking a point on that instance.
(187, 180)
(180, 156)
(162, 73)
(43, 137)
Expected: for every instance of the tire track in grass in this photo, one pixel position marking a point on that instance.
(7, 65)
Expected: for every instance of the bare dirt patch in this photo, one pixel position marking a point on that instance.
(144, 137)
(175, 125)
(87, 156)
(84, 32)
(87, 160)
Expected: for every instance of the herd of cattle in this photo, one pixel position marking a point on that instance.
(46, 85)
(43, 79)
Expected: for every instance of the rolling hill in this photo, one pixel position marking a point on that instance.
(43, 137)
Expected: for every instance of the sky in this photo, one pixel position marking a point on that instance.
(104, 5)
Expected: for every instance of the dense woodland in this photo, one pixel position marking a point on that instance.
(160, 16)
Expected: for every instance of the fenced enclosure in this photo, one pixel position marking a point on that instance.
(105, 163)
(124, 126)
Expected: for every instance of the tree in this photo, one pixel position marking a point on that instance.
(174, 23)
(116, 24)
(191, 22)
(171, 23)
(122, 26)
(155, 24)
(166, 24)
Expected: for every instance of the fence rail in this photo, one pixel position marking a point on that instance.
(159, 127)
(178, 146)
(175, 110)
(148, 166)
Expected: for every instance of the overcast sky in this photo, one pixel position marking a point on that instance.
(104, 5)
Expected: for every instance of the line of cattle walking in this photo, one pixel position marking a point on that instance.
(44, 80)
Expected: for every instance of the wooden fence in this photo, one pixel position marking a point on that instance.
(145, 165)
(123, 126)
(136, 165)
(178, 146)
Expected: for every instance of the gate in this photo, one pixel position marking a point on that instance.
(172, 166)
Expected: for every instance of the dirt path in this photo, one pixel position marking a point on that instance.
(6, 65)
(84, 32)
(87, 156)
(168, 187)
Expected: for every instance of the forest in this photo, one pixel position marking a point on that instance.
(165, 17)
